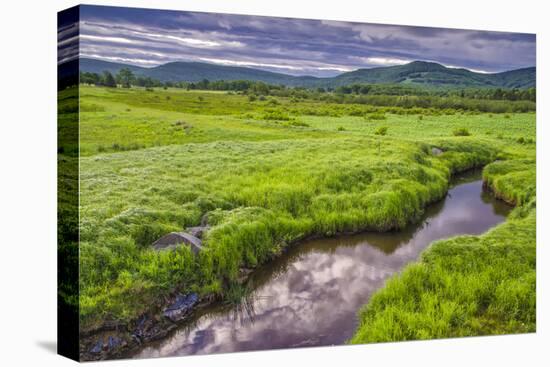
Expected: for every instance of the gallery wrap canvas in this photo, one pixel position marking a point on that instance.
(233, 183)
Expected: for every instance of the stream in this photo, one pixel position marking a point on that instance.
(310, 295)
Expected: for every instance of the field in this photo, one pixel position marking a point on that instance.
(268, 172)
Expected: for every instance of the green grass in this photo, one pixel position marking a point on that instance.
(265, 174)
(122, 119)
(468, 285)
(512, 180)
(267, 194)
(461, 131)
(117, 120)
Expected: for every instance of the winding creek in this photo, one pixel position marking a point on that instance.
(310, 296)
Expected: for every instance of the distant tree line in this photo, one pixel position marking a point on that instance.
(529, 94)
(391, 95)
(514, 94)
(261, 88)
(434, 101)
(124, 78)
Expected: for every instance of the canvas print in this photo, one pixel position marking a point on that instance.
(232, 183)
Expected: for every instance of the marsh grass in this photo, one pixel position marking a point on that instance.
(461, 131)
(468, 285)
(263, 183)
(382, 130)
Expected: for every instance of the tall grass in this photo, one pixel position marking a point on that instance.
(261, 184)
(468, 285)
(258, 201)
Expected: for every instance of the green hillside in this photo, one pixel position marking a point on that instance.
(433, 74)
(416, 73)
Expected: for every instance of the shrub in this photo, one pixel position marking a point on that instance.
(355, 111)
(377, 116)
(461, 131)
(341, 128)
(276, 115)
(298, 123)
(521, 140)
(382, 130)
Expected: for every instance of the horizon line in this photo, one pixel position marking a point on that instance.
(100, 58)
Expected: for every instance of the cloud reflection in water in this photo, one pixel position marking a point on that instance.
(310, 296)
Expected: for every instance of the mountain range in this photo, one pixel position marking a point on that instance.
(416, 73)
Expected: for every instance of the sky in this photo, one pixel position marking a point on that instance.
(148, 38)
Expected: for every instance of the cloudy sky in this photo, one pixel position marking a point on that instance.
(148, 38)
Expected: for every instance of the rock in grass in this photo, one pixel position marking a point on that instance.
(436, 151)
(198, 231)
(181, 306)
(175, 239)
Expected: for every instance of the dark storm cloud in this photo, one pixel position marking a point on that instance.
(67, 42)
(294, 46)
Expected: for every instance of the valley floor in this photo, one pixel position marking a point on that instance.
(265, 174)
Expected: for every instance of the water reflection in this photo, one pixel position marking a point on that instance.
(310, 296)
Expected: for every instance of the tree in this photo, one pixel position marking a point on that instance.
(89, 78)
(125, 77)
(108, 79)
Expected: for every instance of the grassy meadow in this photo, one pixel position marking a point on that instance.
(268, 172)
